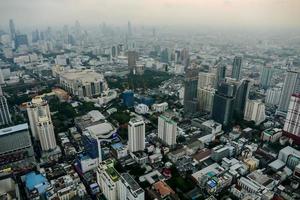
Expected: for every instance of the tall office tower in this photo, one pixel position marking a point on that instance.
(136, 135)
(255, 111)
(273, 96)
(5, 117)
(190, 91)
(12, 29)
(291, 85)
(223, 105)
(167, 130)
(132, 58)
(206, 80)
(113, 51)
(35, 36)
(129, 29)
(292, 122)
(41, 123)
(21, 40)
(16, 149)
(236, 67)
(266, 76)
(164, 56)
(206, 99)
(185, 58)
(241, 98)
(221, 74)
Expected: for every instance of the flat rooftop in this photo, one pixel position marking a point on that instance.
(12, 129)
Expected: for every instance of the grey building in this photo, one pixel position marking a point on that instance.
(291, 86)
(5, 117)
(16, 148)
(221, 74)
(236, 67)
(241, 98)
(190, 90)
(224, 102)
(266, 77)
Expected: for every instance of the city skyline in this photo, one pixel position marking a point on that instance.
(226, 14)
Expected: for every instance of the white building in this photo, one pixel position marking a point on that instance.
(206, 80)
(292, 121)
(108, 179)
(5, 117)
(84, 83)
(167, 130)
(129, 189)
(206, 98)
(255, 111)
(136, 135)
(41, 123)
(61, 60)
(141, 109)
(273, 96)
(161, 107)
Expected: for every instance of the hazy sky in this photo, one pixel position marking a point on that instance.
(225, 13)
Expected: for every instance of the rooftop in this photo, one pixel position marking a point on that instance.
(12, 129)
(82, 75)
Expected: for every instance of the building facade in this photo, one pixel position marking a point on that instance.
(167, 130)
(136, 135)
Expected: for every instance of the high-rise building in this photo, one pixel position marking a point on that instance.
(273, 96)
(132, 57)
(223, 105)
(5, 117)
(236, 67)
(12, 29)
(16, 149)
(266, 76)
(291, 85)
(167, 130)
(117, 186)
(129, 189)
(108, 179)
(292, 121)
(40, 123)
(206, 80)
(21, 40)
(190, 91)
(241, 98)
(136, 135)
(206, 99)
(128, 98)
(221, 74)
(255, 111)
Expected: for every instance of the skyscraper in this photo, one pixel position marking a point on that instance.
(136, 135)
(223, 105)
(255, 111)
(291, 85)
(206, 91)
(190, 90)
(221, 74)
(167, 130)
(41, 123)
(236, 67)
(266, 76)
(21, 40)
(292, 122)
(12, 29)
(132, 58)
(241, 98)
(5, 117)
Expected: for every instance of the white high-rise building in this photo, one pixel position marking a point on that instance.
(292, 121)
(108, 179)
(273, 95)
(41, 123)
(255, 111)
(5, 117)
(167, 130)
(206, 80)
(136, 135)
(129, 189)
(291, 85)
(206, 98)
(117, 186)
